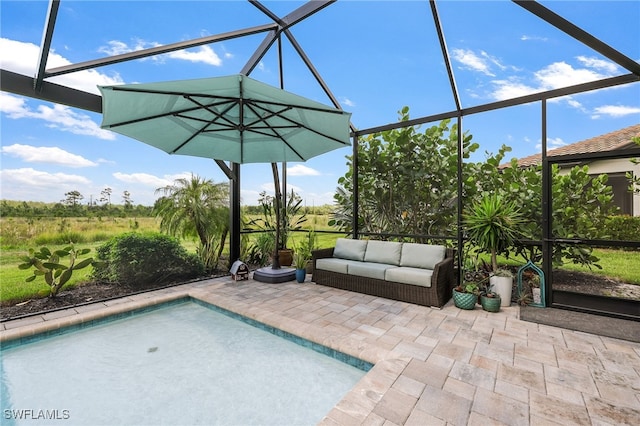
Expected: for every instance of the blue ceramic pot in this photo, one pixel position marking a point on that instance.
(301, 274)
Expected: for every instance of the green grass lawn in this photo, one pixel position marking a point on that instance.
(619, 264)
(623, 265)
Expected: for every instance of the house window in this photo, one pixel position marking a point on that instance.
(622, 197)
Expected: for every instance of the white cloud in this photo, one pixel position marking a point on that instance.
(57, 117)
(517, 83)
(301, 170)
(536, 38)
(616, 110)
(606, 66)
(149, 180)
(470, 60)
(511, 88)
(203, 54)
(552, 143)
(50, 155)
(348, 102)
(30, 184)
(22, 58)
(561, 74)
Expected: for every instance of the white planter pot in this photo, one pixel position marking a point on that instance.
(502, 286)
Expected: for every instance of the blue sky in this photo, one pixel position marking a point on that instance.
(375, 56)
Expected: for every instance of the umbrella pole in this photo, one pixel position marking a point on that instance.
(278, 195)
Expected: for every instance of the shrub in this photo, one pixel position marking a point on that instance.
(262, 249)
(142, 260)
(623, 228)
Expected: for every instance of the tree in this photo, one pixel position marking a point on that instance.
(73, 198)
(196, 207)
(406, 181)
(106, 196)
(126, 199)
(407, 184)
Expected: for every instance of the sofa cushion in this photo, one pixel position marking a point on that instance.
(334, 265)
(423, 256)
(369, 269)
(407, 275)
(350, 249)
(383, 252)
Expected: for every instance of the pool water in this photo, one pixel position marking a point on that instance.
(183, 364)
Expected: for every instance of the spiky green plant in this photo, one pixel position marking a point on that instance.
(493, 224)
(47, 265)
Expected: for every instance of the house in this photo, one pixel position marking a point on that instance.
(615, 168)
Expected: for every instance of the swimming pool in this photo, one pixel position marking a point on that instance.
(178, 364)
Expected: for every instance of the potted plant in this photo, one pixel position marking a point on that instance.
(465, 296)
(289, 219)
(493, 225)
(502, 282)
(490, 300)
(300, 263)
(307, 245)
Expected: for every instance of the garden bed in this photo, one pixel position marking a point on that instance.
(83, 294)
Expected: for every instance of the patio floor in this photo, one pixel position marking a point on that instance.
(432, 366)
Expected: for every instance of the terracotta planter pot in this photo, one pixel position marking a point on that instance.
(286, 257)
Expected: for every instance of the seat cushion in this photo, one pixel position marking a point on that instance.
(383, 252)
(350, 249)
(334, 265)
(423, 256)
(369, 269)
(407, 275)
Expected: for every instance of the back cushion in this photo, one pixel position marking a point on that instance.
(423, 256)
(383, 252)
(350, 249)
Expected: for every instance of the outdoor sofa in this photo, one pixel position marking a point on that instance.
(416, 273)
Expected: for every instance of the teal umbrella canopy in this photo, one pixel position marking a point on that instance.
(233, 118)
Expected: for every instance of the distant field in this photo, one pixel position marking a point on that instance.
(18, 235)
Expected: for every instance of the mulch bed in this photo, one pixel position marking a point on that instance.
(90, 292)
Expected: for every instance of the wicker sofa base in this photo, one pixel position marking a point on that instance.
(419, 295)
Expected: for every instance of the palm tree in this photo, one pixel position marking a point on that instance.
(195, 207)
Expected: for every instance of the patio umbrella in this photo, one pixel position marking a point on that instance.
(233, 118)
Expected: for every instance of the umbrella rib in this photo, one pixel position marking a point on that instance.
(251, 106)
(303, 126)
(165, 114)
(208, 123)
(221, 115)
(229, 98)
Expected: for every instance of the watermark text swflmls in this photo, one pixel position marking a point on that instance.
(31, 414)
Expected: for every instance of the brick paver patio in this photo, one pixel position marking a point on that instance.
(432, 366)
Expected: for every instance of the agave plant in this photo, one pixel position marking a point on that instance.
(493, 224)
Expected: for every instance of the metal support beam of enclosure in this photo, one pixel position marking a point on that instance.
(39, 88)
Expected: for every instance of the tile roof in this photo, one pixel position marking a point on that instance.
(608, 142)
